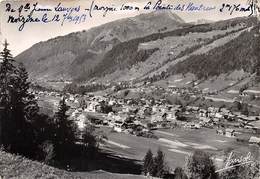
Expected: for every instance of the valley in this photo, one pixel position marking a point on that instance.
(153, 82)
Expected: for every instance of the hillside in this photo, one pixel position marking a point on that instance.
(157, 54)
(241, 53)
(152, 47)
(76, 54)
(12, 166)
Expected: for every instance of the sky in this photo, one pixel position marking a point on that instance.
(35, 32)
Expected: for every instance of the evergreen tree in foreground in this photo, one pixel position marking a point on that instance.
(18, 106)
(65, 128)
(155, 166)
(200, 166)
(28, 101)
(148, 163)
(160, 168)
(7, 74)
(179, 173)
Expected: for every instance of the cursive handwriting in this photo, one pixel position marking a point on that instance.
(252, 7)
(29, 13)
(160, 5)
(23, 19)
(233, 162)
(60, 13)
(101, 8)
(76, 19)
(60, 8)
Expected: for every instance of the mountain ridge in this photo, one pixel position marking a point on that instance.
(114, 54)
(88, 47)
(197, 35)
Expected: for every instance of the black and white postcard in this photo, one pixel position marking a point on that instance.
(130, 89)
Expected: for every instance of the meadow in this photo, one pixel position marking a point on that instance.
(176, 143)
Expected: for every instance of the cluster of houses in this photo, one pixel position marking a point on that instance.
(131, 115)
(126, 116)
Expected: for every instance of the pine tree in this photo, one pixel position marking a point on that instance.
(179, 173)
(27, 100)
(7, 76)
(148, 163)
(200, 165)
(65, 128)
(24, 112)
(7, 71)
(16, 100)
(160, 167)
(89, 139)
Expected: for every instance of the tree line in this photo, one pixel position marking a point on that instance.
(25, 131)
(200, 165)
(241, 53)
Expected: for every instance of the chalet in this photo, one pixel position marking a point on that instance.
(156, 118)
(171, 116)
(195, 109)
(196, 126)
(111, 102)
(76, 101)
(220, 132)
(155, 108)
(118, 126)
(230, 132)
(192, 125)
(137, 122)
(205, 119)
(93, 107)
(117, 117)
(254, 140)
(230, 117)
(105, 122)
(212, 109)
(71, 98)
(58, 95)
(203, 113)
(218, 115)
(216, 120)
(224, 111)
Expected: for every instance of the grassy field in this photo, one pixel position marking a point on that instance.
(176, 144)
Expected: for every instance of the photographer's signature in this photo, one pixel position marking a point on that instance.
(233, 162)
